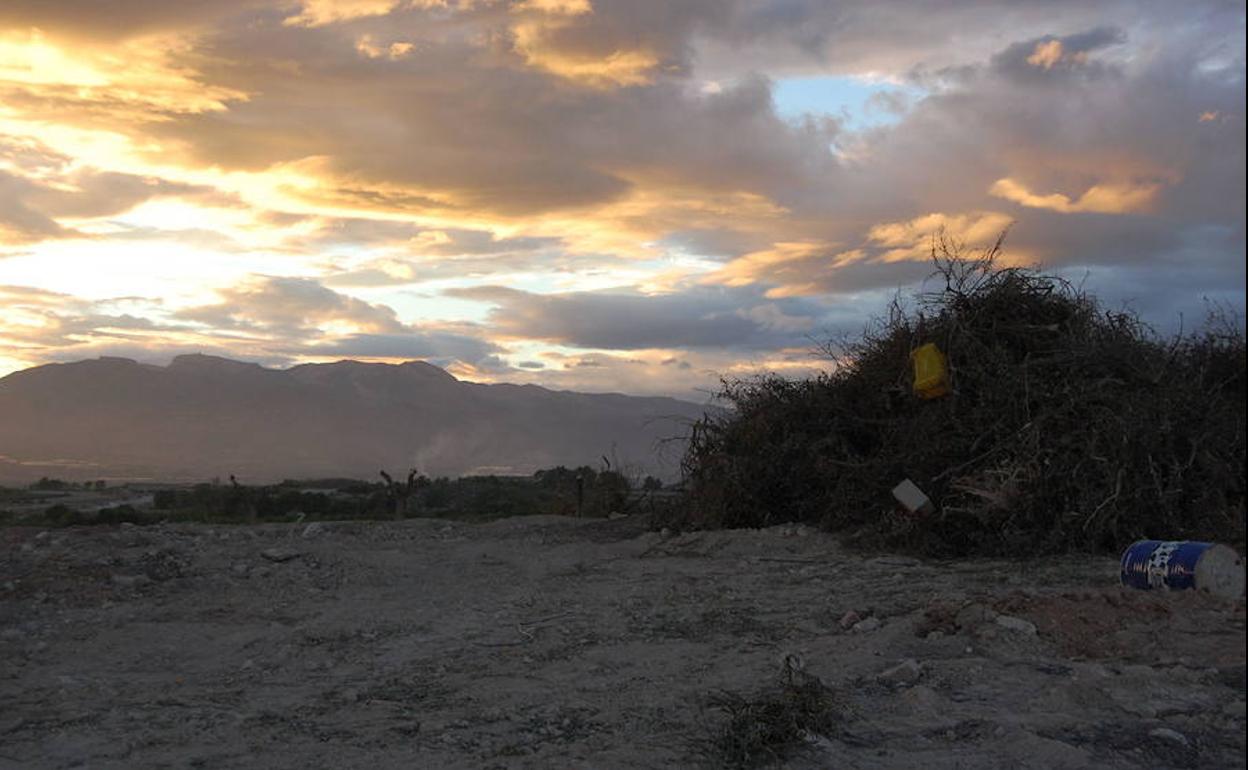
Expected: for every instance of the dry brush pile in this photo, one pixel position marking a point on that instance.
(1069, 427)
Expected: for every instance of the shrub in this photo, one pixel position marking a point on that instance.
(769, 726)
(61, 515)
(1069, 427)
(119, 514)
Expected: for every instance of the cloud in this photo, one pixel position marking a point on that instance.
(90, 20)
(1123, 198)
(274, 320)
(1053, 57)
(37, 324)
(890, 254)
(696, 318)
(316, 13)
(291, 307)
(438, 347)
(555, 145)
(41, 187)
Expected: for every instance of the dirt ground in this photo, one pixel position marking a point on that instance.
(563, 643)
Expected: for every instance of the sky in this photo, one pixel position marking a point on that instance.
(640, 196)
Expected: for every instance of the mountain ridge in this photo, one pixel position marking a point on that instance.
(202, 416)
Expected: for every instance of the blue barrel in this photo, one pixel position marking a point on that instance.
(1162, 563)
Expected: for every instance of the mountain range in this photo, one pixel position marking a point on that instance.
(202, 417)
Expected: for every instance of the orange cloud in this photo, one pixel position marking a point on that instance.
(1049, 53)
(137, 79)
(536, 38)
(768, 265)
(911, 240)
(1109, 198)
(316, 13)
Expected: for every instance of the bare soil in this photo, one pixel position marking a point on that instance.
(563, 643)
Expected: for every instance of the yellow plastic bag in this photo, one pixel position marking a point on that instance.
(931, 371)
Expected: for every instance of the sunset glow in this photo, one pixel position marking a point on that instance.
(628, 195)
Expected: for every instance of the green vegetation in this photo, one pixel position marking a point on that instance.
(1069, 427)
(47, 484)
(551, 491)
(558, 491)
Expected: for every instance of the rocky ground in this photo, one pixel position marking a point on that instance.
(560, 643)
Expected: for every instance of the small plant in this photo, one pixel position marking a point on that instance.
(767, 727)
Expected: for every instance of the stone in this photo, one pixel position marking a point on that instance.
(922, 697)
(849, 619)
(313, 529)
(972, 616)
(1166, 734)
(905, 673)
(130, 581)
(1018, 625)
(866, 626)
(279, 555)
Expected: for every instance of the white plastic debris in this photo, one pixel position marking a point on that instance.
(912, 498)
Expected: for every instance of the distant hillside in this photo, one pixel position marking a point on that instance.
(203, 416)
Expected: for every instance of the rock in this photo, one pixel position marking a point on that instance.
(279, 555)
(313, 529)
(922, 697)
(1235, 709)
(905, 673)
(866, 626)
(1166, 734)
(1139, 708)
(849, 619)
(1011, 623)
(972, 616)
(239, 569)
(935, 636)
(130, 581)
